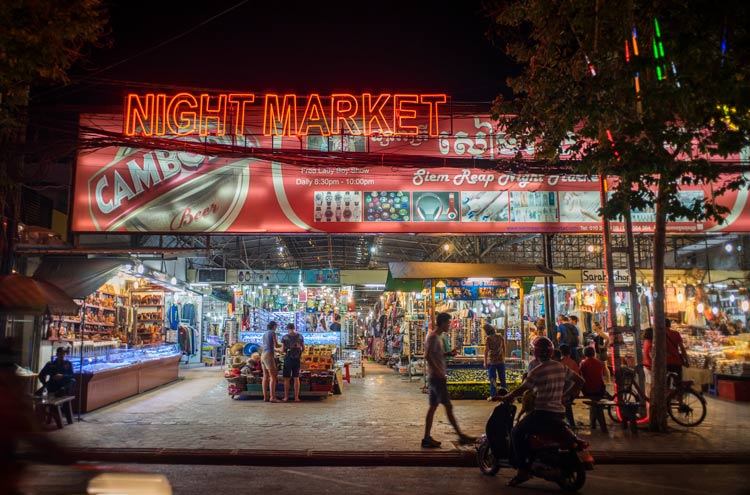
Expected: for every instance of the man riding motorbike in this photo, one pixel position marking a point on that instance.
(554, 384)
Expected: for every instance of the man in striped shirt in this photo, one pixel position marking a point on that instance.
(554, 384)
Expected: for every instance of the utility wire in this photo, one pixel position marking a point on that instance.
(154, 47)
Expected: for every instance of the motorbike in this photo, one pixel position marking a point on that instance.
(559, 457)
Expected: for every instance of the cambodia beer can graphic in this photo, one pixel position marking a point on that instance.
(168, 191)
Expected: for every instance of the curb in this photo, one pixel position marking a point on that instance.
(286, 458)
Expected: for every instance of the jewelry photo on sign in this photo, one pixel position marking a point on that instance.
(484, 206)
(527, 206)
(338, 206)
(580, 206)
(436, 206)
(386, 206)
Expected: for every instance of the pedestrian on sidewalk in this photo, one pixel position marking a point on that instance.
(268, 362)
(494, 358)
(601, 346)
(437, 382)
(573, 338)
(647, 337)
(294, 346)
(573, 366)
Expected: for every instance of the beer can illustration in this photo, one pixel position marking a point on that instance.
(209, 202)
(168, 191)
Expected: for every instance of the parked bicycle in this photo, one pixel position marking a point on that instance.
(687, 406)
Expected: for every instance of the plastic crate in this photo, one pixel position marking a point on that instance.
(734, 390)
(255, 387)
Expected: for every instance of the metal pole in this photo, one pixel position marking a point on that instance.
(80, 368)
(549, 291)
(635, 302)
(611, 304)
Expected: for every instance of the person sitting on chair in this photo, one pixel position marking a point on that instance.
(57, 375)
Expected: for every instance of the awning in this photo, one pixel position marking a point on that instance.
(23, 295)
(76, 275)
(432, 270)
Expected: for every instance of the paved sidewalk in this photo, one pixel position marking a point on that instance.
(381, 413)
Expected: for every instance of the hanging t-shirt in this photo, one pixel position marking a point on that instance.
(174, 317)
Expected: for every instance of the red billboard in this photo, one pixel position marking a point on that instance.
(120, 189)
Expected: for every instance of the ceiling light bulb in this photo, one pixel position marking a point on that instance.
(173, 281)
(446, 247)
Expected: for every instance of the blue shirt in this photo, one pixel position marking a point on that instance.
(268, 341)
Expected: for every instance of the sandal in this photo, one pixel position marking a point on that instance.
(518, 479)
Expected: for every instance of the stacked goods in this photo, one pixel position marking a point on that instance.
(318, 357)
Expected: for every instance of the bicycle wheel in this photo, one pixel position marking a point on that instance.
(627, 397)
(687, 407)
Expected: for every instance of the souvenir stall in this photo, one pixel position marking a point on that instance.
(119, 343)
(474, 294)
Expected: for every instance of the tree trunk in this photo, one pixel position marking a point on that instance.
(658, 399)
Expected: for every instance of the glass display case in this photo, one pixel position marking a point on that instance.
(121, 373)
(119, 358)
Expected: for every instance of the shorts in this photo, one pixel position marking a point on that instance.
(291, 367)
(438, 391)
(269, 363)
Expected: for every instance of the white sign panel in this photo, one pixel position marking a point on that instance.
(621, 277)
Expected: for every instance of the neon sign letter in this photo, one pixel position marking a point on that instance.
(284, 118)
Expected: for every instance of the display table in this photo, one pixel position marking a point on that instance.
(125, 374)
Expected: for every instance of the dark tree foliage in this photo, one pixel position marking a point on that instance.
(674, 113)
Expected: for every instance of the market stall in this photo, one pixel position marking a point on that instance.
(131, 330)
(319, 376)
(474, 294)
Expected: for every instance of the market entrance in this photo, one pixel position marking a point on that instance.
(264, 221)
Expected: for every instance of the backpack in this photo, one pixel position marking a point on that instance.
(572, 335)
(294, 352)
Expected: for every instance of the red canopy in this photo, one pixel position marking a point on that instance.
(29, 296)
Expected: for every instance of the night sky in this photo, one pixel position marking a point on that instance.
(300, 47)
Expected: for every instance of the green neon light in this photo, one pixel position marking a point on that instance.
(656, 28)
(658, 73)
(661, 49)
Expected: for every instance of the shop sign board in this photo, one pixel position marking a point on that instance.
(181, 190)
(321, 277)
(473, 290)
(259, 277)
(621, 277)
